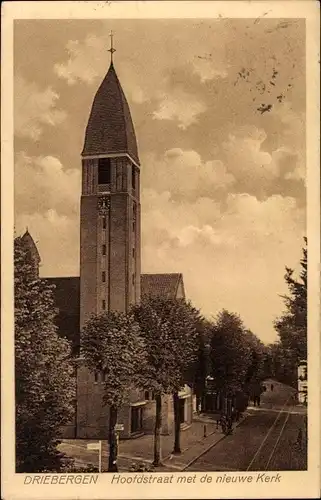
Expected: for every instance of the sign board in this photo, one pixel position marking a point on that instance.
(94, 446)
(119, 427)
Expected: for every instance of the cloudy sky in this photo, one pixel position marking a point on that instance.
(219, 111)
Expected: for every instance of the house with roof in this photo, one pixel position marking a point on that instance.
(110, 263)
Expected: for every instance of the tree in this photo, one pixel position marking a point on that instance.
(255, 370)
(202, 369)
(292, 325)
(182, 321)
(230, 353)
(45, 388)
(159, 374)
(111, 343)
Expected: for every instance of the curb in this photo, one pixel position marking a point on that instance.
(212, 445)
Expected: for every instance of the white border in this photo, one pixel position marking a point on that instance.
(294, 484)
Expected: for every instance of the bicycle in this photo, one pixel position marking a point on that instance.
(226, 423)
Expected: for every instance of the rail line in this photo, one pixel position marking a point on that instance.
(269, 445)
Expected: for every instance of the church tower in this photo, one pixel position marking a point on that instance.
(110, 204)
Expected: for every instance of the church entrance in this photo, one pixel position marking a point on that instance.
(136, 419)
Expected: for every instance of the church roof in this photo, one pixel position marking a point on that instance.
(67, 298)
(110, 129)
(29, 243)
(163, 285)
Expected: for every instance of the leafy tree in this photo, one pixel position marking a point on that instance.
(159, 374)
(182, 321)
(292, 325)
(255, 370)
(202, 368)
(111, 343)
(44, 370)
(230, 353)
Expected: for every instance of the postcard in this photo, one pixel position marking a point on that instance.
(160, 250)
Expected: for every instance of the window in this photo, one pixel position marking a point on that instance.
(104, 171)
(133, 177)
(104, 376)
(103, 276)
(147, 395)
(133, 253)
(103, 304)
(104, 222)
(96, 376)
(136, 418)
(104, 249)
(133, 279)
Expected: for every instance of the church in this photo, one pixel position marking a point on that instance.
(110, 263)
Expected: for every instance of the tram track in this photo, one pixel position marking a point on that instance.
(265, 453)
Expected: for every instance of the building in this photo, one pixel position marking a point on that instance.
(110, 262)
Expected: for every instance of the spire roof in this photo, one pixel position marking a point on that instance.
(110, 129)
(29, 243)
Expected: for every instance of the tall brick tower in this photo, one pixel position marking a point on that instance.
(110, 204)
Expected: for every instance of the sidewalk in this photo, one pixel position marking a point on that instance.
(140, 450)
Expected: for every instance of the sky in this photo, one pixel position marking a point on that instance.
(218, 107)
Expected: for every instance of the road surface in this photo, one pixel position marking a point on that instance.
(272, 437)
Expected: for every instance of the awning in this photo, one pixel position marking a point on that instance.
(138, 403)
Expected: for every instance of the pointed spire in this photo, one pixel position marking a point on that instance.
(111, 50)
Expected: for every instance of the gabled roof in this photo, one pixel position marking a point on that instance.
(110, 129)
(66, 293)
(164, 285)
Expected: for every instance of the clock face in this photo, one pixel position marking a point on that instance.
(103, 204)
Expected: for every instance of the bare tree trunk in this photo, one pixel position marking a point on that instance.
(177, 424)
(112, 461)
(157, 430)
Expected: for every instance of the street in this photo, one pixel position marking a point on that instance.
(272, 437)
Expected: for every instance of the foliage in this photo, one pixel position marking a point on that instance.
(111, 343)
(292, 325)
(141, 467)
(169, 329)
(180, 319)
(282, 364)
(44, 370)
(230, 353)
(158, 373)
(255, 371)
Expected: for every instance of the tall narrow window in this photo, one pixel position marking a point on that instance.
(133, 279)
(96, 376)
(104, 249)
(104, 222)
(103, 305)
(133, 176)
(133, 253)
(103, 276)
(104, 171)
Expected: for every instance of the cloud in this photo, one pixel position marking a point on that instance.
(181, 106)
(185, 175)
(57, 239)
(42, 184)
(209, 69)
(35, 108)
(232, 256)
(84, 60)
